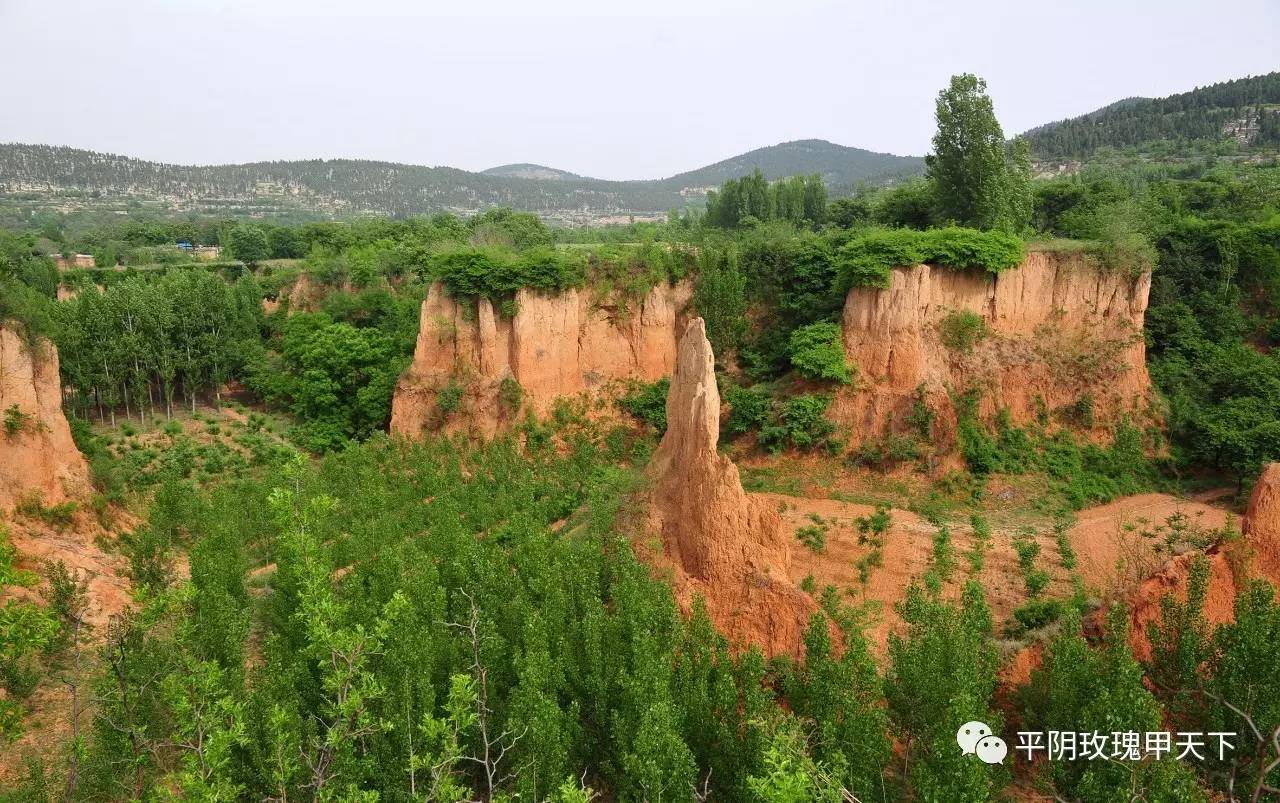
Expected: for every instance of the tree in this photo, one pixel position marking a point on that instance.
(1226, 680)
(942, 673)
(719, 295)
(1084, 690)
(842, 698)
(248, 242)
(975, 180)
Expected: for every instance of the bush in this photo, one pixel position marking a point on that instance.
(814, 536)
(60, 516)
(1037, 613)
(1036, 581)
(648, 402)
(886, 452)
(961, 331)
(961, 248)
(510, 394)
(867, 261)
(449, 397)
(749, 409)
(805, 420)
(494, 272)
(817, 352)
(14, 420)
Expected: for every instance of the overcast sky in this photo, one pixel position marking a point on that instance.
(645, 90)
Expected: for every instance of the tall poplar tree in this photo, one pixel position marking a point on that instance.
(976, 180)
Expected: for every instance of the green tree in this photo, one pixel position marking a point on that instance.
(247, 242)
(1083, 689)
(975, 182)
(841, 697)
(942, 673)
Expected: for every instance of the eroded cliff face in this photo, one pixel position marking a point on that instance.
(38, 457)
(555, 345)
(724, 544)
(1058, 331)
(1232, 565)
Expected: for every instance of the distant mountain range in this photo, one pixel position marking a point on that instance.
(1241, 115)
(69, 178)
(1245, 111)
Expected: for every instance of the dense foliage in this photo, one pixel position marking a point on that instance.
(801, 200)
(977, 179)
(1207, 113)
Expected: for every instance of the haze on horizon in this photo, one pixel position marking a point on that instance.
(644, 91)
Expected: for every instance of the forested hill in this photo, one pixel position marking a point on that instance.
(527, 170)
(1245, 111)
(47, 174)
(837, 164)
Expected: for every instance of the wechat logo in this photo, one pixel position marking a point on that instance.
(977, 738)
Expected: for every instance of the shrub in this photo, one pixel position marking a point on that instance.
(814, 536)
(1027, 549)
(943, 553)
(510, 394)
(885, 452)
(817, 352)
(961, 248)
(1036, 581)
(59, 516)
(921, 416)
(961, 331)
(1079, 413)
(867, 261)
(1062, 532)
(749, 409)
(494, 272)
(870, 528)
(648, 402)
(14, 420)
(1037, 613)
(449, 397)
(805, 419)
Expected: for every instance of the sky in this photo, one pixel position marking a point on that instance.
(642, 90)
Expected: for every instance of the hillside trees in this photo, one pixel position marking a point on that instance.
(140, 342)
(976, 180)
(1223, 679)
(942, 673)
(799, 200)
(1200, 114)
(1089, 690)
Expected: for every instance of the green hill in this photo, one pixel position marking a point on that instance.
(527, 170)
(1245, 112)
(837, 164)
(43, 176)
